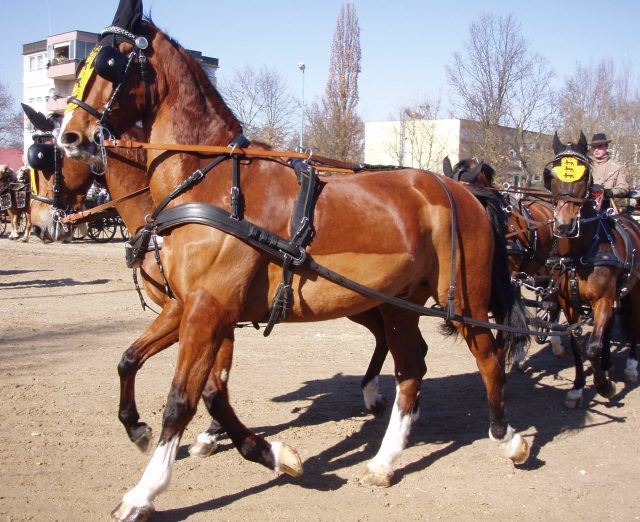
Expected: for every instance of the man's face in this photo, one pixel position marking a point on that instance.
(599, 151)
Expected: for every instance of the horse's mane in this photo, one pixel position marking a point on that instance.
(206, 90)
(470, 163)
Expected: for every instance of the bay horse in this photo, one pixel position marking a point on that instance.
(15, 198)
(596, 268)
(528, 232)
(391, 231)
(62, 188)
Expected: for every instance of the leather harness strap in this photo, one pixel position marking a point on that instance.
(84, 215)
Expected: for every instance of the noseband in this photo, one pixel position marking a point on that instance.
(110, 64)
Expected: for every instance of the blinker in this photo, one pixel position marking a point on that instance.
(110, 64)
(42, 156)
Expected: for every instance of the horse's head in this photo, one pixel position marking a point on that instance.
(114, 91)
(470, 171)
(61, 187)
(5, 173)
(569, 180)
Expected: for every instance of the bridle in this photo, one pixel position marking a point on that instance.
(113, 66)
(565, 197)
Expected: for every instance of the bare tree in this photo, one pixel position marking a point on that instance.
(416, 142)
(499, 82)
(11, 120)
(263, 103)
(600, 99)
(335, 128)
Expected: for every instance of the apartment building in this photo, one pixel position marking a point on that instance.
(50, 69)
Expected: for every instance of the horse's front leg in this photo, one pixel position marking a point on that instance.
(15, 219)
(27, 228)
(204, 325)
(602, 312)
(160, 334)
(276, 456)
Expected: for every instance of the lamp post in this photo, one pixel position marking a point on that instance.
(301, 66)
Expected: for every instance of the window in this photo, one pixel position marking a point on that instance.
(32, 63)
(40, 61)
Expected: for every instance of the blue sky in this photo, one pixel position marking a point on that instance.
(406, 44)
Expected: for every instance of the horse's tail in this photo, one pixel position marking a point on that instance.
(505, 302)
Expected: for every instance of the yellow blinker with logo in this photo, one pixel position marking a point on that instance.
(83, 78)
(569, 170)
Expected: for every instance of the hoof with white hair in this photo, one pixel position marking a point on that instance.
(287, 459)
(126, 513)
(374, 401)
(573, 399)
(204, 446)
(513, 445)
(377, 478)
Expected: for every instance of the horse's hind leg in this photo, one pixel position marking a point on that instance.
(15, 219)
(631, 309)
(404, 341)
(277, 456)
(490, 360)
(161, 334)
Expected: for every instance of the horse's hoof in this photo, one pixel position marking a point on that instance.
(287, 460)
(573, 399)
(125, 513)
(558, 349)
(608, 390)
(25, 240)
(519, 449)
(202, 449)
(377, 479)
(11, 238)
(143, 440)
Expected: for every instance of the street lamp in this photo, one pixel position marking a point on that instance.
(301, 66)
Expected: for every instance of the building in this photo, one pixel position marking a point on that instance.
(421, 143)
(50, 69)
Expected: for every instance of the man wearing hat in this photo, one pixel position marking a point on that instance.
(606, 172)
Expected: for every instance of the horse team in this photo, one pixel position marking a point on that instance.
(399, 233)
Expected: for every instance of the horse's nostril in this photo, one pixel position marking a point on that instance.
(70, 138)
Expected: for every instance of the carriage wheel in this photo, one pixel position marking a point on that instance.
(3, 223)
(124, 232)
(102, 230)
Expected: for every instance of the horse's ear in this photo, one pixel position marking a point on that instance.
(447, 168)
(558, 146)
(547, 176)
(582, 144)
(476, 170)
(37, 119)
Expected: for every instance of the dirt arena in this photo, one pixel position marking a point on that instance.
(68, 311)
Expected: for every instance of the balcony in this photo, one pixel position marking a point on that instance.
(65, 70)
(57, 105)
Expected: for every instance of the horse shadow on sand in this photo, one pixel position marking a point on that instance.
(453, 414)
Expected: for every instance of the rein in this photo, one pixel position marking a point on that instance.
(83, 215)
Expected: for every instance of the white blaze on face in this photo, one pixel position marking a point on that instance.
(63, 126)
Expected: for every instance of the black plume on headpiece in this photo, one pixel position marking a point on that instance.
(128, 15)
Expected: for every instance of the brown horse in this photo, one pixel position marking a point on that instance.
(15, 198)
(124, 175)
(389, 230)
(597, 266)
(528, 231)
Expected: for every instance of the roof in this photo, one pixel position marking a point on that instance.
(11, 157)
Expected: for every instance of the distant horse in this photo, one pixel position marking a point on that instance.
(527, 229)
(389, 231)
(597, 266)
(15, 198)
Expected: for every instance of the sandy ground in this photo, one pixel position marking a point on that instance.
(68, 311)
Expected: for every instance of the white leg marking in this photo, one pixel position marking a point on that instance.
(556, 346)
(631, 371)
(156, 476)
(394, 441)
(510, 443)
(224, 375)
(371, 393)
